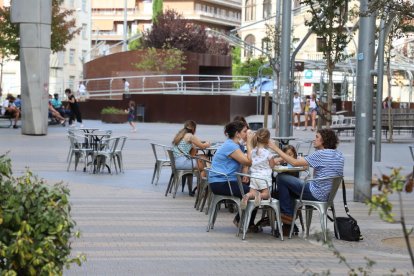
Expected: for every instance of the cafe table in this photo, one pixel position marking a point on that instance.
(289, 168)
(211, 150)
(88, 129)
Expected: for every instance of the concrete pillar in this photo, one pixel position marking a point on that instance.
(34, 18)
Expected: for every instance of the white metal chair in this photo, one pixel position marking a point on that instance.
(270, 203)
(118, 152)
(161, 160)
(78, 149)
(215, 200)
(177, 175)
(321, 206)
(202, 182)
(105, 156)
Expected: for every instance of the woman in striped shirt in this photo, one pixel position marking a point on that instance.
(326, 161)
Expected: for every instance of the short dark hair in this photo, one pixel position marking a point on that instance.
(231, 128)
(329, 138)
(67, 90)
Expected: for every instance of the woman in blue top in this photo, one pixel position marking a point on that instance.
(229, 159)
(326, 161)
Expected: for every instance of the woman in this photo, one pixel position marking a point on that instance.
(326, 161)
(313, 110)
(297, 109)
(185, 144)
(229, 159)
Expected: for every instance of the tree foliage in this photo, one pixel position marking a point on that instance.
(328, 22)
(157, 6)
(63, 30)
(172, 31)
(162, 60)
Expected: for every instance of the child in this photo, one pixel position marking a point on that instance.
(131, 115)
(291, 151)
(262, 164)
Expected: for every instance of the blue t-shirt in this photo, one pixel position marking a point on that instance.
(222, 162)
(326, 163)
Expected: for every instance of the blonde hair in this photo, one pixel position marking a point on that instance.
(189, 127)
(261, 136)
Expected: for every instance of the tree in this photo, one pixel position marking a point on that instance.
(157, 6)
(63, 30)
(328, 22)
(162, 60)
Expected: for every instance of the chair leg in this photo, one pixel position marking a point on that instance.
(155, 171)
(170, 183)
(292, 225)
(308, 218)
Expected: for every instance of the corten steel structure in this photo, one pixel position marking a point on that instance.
(34, 18)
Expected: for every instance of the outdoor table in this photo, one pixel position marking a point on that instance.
(211, 150)
(88, 130)
(282, 169)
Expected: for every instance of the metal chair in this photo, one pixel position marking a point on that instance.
(161, 160)
(412, 151)
(118, 152)
(270, 203)
(177, 175)
(321, 206)
(202, 182)
(78, 149)
(105, 155)
(215, 200)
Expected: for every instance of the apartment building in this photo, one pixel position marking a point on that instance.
(66, 67)
(108, 18)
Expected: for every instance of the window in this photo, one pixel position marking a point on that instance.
(72, 56)
(71, 82)
(84, 30)
(320, 44)
(249, 40)
(267, 8)
(250, 10)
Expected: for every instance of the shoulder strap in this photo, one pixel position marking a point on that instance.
(344, 198)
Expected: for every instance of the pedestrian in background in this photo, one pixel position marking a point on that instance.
(74, 109)
(131, 115)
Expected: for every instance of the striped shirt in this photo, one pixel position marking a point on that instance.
(326, 163)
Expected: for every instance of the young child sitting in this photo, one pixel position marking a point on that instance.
(262, 163)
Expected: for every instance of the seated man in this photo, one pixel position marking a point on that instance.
(57, 105)
(9, 109)
(54, 114)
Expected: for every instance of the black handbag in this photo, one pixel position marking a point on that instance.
(348, 229)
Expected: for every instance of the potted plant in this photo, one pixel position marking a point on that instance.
(114, 115)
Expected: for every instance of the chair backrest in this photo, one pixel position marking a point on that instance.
(121, 143)
(336, 183)
(172, 159)
(204, 162)
(110, 144)
(240, 182)
(210, 170)
(160, 151)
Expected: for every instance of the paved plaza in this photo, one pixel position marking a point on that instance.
(128, 226)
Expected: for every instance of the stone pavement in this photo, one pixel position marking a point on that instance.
(129, 227)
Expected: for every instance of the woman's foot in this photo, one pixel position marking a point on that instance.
(257, 199)
(243, 203)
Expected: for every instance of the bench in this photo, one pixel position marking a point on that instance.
(6, 121)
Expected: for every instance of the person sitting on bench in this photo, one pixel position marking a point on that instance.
(10, 109)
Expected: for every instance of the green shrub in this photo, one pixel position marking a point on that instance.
(36, 227)
(112, 110)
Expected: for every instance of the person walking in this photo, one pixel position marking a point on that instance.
(297, 109)
(313, 109)
(74, 109)
(131, 115)
(126, 89)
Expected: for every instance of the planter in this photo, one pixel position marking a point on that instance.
(114, 118)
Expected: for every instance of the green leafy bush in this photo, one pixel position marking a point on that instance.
(112, 110)
(36, 227)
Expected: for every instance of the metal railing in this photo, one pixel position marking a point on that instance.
(170, 84)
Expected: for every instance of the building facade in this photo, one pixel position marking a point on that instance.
(108, 18)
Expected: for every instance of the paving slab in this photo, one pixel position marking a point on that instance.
(129, 227)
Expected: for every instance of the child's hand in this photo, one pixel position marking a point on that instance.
(245, 179)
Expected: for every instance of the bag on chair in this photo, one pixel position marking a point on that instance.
(348, 229)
